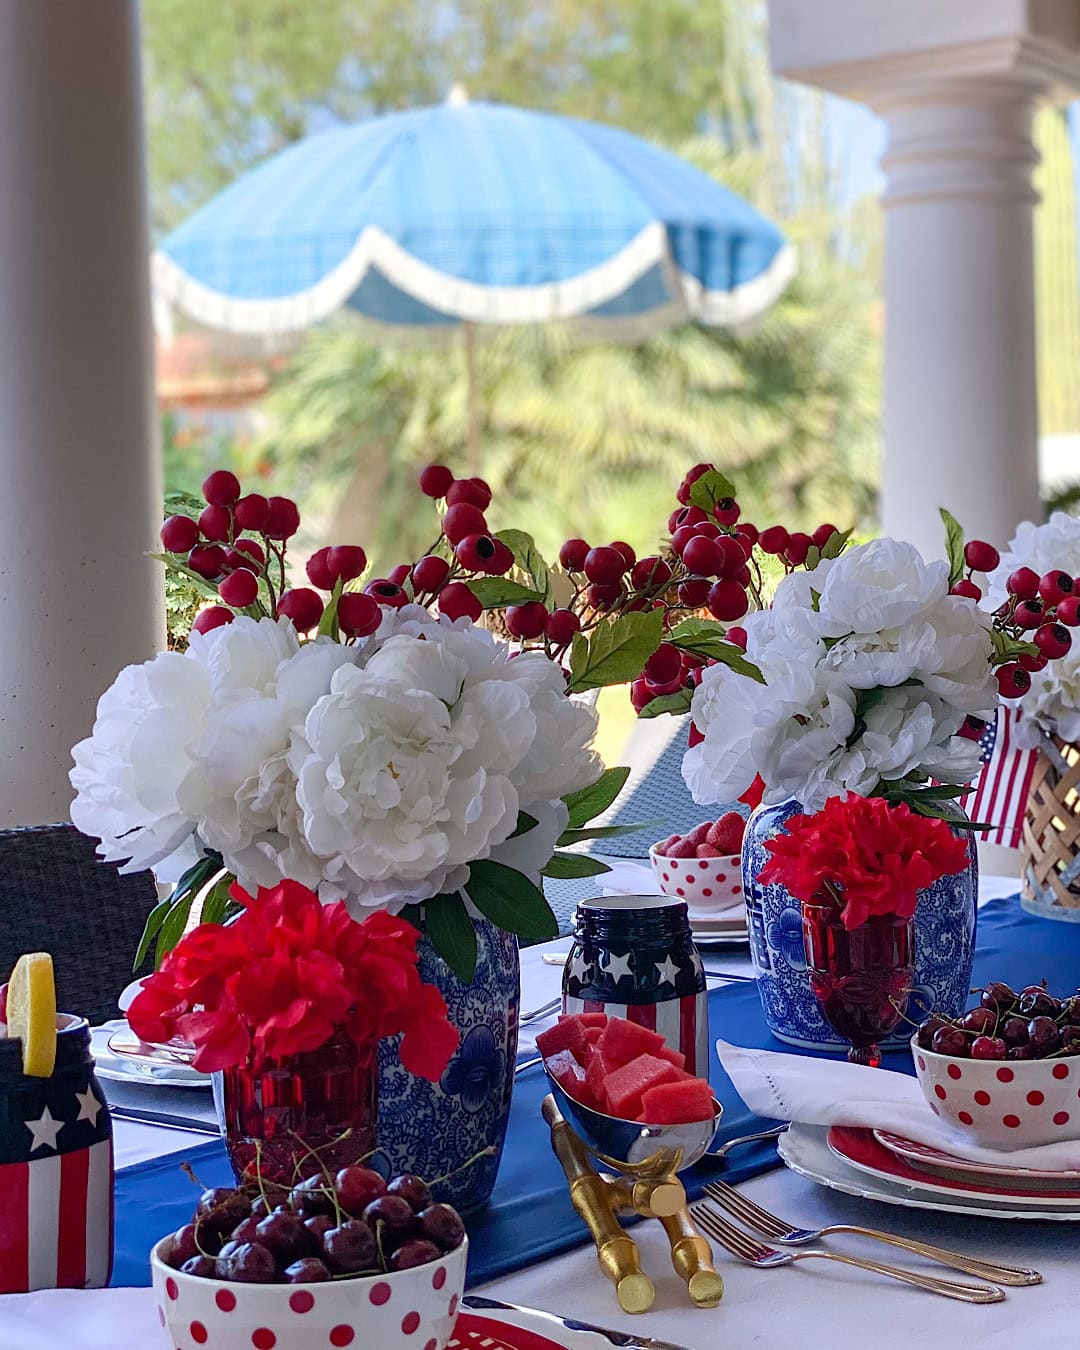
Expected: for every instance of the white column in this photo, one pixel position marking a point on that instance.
(79, 483)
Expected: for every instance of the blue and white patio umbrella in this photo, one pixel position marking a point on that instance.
(474, 213)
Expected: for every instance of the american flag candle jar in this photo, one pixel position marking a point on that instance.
(634, 957)
(56, 1170)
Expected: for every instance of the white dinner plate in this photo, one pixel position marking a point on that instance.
(158, 1070)
(724, 929)
(929, 1159)
(805, 1149)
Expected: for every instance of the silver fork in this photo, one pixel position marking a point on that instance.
(772, 1226)
(755, 1253)
(544, 1010)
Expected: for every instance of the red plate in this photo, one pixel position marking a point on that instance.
(939, 1163)
(484, 1333)
(862, 1150)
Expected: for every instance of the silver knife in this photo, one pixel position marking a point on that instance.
(477, 1303)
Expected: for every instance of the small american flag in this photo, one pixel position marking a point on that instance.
(56, 1183)
(1001, 789)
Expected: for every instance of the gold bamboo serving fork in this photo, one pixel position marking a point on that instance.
(772, 1226)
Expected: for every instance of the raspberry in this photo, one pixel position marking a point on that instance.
(823, 534)
(726, 510)
(572, 555)
(694, 594)
(282, 518)
(179, 534)
(561, 626)
(604, 565)
(386, 592)
(681, 538)
(664, 665)
(251, 512)
(473, 491)
(705, 557)
(347, 562)
(527, 620)
(215, 522)
(252, 548)
(208, 560)
(980, 556)
(436, 480)
(967, 589)
(502, 561)
(798, 547)
(972, 728)
(1068, 611)
(475, 551)
(1013, 681)
(222, 488)
(640, 695)
(1029, 614)
(1053, 640)
(1023, 583)
(738, 636)
(240, 589)
(774, 539)
(456, 601)
(302, 606)
(319, 571)
(463, 520)
(604, 597)
(1054, 587)
(358, 615)
(629, 556)
(430, 573)
(651, 573)
(213, 616)
(728, 600)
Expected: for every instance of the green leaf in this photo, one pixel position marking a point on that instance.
(154, 920)
(511, 901)
(668, 703)
(604, 831)
(616, 652)
(172, 930)
(954, 545)
(498, 592)
(815, 600)
(588, 802)
(834, 545)
(710, 488)
(525, 823)
(328, 624)
(569, 866)
(177, 568)
(708, 639)
(813, 557)
(219, 904)
(529, 558)
(451, 932)
(934, 812)
(1008, 648)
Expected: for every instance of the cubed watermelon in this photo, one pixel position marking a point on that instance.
(570, 1076)
(675, 1057)
(593, 1034)
(568, 1035)
(677, 1103)
(593, 1019)
(624, 1040)
(596, 1076)
(626, 1086)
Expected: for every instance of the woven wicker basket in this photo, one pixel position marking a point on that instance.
(1052, 834)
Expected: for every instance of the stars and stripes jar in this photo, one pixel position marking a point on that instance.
(56, 1169)
(634, 957)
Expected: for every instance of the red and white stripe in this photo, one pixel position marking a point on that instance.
(683, 1023)
(1001, 789)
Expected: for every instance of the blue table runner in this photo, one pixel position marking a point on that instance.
(529, 1217)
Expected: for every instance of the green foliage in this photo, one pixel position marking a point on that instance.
(589, 802)
(185, 593)
(954, 545)
(614, 652)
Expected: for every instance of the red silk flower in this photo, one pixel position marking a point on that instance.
(288, 975)
(870, 857)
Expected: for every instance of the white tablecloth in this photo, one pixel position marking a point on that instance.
(809, 1306)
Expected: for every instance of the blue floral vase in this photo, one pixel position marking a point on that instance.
(944, 942)
(436, 1129)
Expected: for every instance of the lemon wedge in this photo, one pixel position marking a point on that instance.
(31, 1012)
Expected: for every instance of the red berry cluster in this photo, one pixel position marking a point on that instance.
(1039, 609)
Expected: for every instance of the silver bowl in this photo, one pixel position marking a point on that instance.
(634, 1148)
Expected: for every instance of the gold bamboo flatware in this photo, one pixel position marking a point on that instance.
(773, 1227)
(754, 1252)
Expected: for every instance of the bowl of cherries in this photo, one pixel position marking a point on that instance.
(1007, 1072)
(345, 1259)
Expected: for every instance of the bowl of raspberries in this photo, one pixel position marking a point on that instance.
(703, 867)
(341, 1259)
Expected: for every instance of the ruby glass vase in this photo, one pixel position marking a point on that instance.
(861, 977)
(293, 1117)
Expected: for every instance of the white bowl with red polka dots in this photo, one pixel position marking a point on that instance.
(708, 885)
(406, 1310)
(1018, 1103)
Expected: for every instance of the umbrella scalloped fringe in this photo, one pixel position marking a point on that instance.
(568, 300)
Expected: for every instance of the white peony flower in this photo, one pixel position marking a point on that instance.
(877, 586)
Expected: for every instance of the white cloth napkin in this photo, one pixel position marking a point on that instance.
(80, 1319)
(832, 1092)
(629, 878)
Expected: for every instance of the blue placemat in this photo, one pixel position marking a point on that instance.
(529, 1216)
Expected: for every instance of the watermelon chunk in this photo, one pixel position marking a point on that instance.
(596, 1076)
(593, 1034)
(675, 1057)
(677, 1103)
(569, 1035)
(627, 1085)
(623, 1040)
(593, 1019)
(570, 1076)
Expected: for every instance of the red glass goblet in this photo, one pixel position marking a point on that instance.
(861, 977)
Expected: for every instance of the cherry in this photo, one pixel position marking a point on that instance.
(628, 555)
(248, 1263)
(728, 600)
(442, 1225)
(726, 510)
(774, 539)
(386, 592)
(399, 575)
(698, 471)
(456, 601)
(179, 534)
(214, 616)
(1069, 1032)
(798, 547)
(682, 538)
(640, 695)
(261, 1207)
(980, 556)
(351, 1248)
(1013, 681)
(319, 1225)
(475, 551)
(503, 560)
(926, 1030)
(705, 556)
(1029, 614)
(749, 532)
(1055, 587)
(430, 573)
(604, 597)
(282, 518)
(823, 534)
(358, 615)
(203, 1266)
(526, 621)
(689, 515)
(651, 574)
(347, 562)
(208, 560)
(1036, 1002)
(1053, 640)
(1021, 1052)
(604, 565)
(572, 555)
(252, 512)
(1023, 583)
(694, 594)
(357, 1187)
(393, 1218)
(221, 1208)
(972, 728)
(949, 1040)
(979, 1020)
(738, 636)
(285, 1237)
(415, 1252)
(313, 1195)
(239, 590)
(180, 1247)
(988, 1047)
(307, 1270)
(303, 606)
(1014, 1032)
(251, 547)
(1068, 611)
(246, 1230)
(967, 589)
(561, 626)
(413, 1189)
(664, 665)
(436, 480)
(998, 997)
(221, 488)
(473, 491)
(462, 520)
(1043, 1036)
